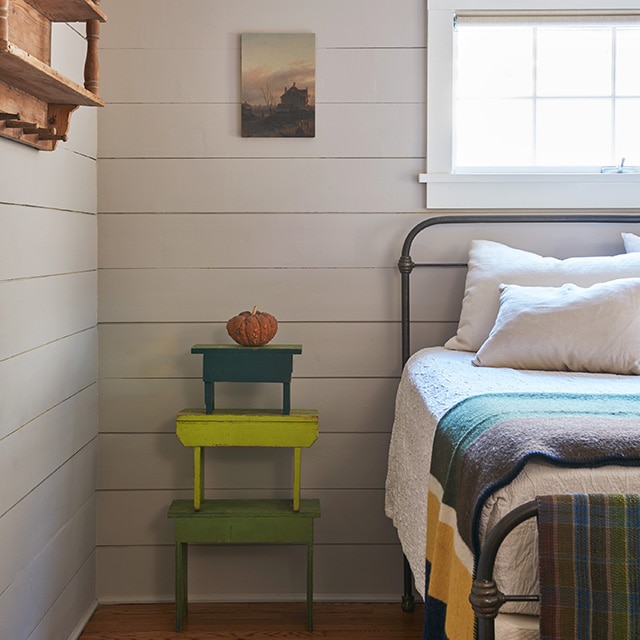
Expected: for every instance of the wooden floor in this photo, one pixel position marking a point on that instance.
(344, 621)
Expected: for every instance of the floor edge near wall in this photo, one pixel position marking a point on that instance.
(261, 597)
(82, 623)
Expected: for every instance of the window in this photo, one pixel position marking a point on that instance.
(530, 109)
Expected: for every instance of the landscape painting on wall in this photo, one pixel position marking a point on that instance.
(278, 85)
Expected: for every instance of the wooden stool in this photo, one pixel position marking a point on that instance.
(241, 522)
(245, 428)
(234, 363)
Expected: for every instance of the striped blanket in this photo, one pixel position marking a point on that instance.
(480, 445)
(589, 554)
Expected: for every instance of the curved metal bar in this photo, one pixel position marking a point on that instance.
(486, 599)
(406, 266)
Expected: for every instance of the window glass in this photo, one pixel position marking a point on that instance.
(545, 96)
(573, 62)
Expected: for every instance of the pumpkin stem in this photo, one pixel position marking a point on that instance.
(253, 313)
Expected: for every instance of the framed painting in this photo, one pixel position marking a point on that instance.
(278, 85)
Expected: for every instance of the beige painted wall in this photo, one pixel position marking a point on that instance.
(196, 224)
(48, 375)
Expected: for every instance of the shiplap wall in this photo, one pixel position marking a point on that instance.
(196, 224)
(48, 375)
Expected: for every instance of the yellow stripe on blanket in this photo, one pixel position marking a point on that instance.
(451, 570)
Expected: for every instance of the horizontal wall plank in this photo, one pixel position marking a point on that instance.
(213, 131)
(206, 295)
(186, 240)
(44, 309)
(130, 518)
(73, 607)
(58, 177)
(44, 242)
(345, 75)
(330, 349)
(45, 510)
(159, 461)
(219, 24)
(291, 295)
(249, 573)
(51, 440)
(37, 380)
(150, 405)
(279, 185)
(52, 569)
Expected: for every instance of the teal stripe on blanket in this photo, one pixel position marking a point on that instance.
(467, 454)
(589, 555)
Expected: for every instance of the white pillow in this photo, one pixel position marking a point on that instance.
(631, 242)
(567, 328)
(492, 263)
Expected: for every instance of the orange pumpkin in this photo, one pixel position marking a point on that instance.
(252, 328)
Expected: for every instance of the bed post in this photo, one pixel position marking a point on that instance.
(405, 265)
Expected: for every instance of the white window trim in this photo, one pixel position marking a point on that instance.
(446, 190)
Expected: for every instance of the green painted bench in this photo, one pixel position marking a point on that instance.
(240, 522)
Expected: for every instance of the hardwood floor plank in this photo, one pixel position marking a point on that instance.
(261, 621)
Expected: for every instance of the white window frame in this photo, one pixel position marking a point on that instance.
(446, 190)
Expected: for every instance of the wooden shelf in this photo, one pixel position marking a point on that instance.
(22, 71)
(68, 10)
(36, 100)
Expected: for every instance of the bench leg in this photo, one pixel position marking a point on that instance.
(182, 584)
(310, 586)
(208, 397)
(198, 477)
(296, 478)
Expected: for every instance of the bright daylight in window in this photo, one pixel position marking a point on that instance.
(551, 96)
(533, 107)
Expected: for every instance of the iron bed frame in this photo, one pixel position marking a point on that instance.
(406, 265)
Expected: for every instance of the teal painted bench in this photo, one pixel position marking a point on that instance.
(234, 363)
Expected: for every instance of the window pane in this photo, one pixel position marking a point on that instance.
(574, 62)
(494, 62)
(494, 133)
(628, 131)
(573, 133)
(627, 60)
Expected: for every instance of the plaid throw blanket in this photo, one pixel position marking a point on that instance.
(480, 445)
(589, 555)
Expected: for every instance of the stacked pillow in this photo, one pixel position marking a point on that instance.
(631, 242)
(527, 311)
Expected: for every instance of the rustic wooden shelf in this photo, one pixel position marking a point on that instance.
(36, 100)
(25, 72)
(68, 10)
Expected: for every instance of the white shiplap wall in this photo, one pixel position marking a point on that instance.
(48, 375)
(196, 224)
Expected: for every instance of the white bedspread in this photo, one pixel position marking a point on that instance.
(434, 380)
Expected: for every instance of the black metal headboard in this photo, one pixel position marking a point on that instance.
(406, 265)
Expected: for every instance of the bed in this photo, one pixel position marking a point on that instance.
(554, 410)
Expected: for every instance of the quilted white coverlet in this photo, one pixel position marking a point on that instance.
(435, 379)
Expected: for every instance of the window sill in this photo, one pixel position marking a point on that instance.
(532, 190)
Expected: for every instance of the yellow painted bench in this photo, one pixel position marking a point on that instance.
(245, 428)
